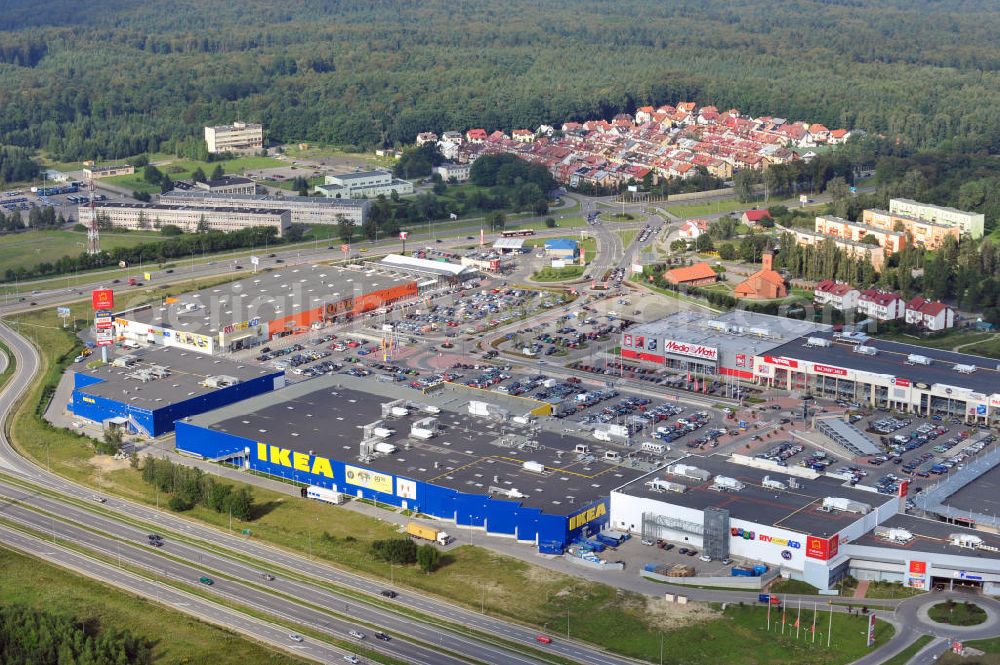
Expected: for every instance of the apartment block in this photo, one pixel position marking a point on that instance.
(970, 223)
(927, 234)
(890, 241)
(136, 216)
(855, 249)
(237, 137)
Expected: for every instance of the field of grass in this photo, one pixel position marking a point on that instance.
(319, 152)
(978, 343)
(25, 249)
(558, 274)
(904, 656)
(957, 614)
(719, 206)
(793, 586)
(180, 169)
(42, 586)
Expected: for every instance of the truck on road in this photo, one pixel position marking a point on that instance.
(430, 533)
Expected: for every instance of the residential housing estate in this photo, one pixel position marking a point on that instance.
(665, 142)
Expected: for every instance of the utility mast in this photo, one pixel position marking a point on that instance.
(93, 239)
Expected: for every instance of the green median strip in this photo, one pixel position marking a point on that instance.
(909, 652)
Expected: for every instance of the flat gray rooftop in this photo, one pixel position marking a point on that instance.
(930, 536)
(796, 509)
(469, 454)
(982, 495)
(891, 360)
(267, 295)
(187, 370)
(265, 201)
(737, 331)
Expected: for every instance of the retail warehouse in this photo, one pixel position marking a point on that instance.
(264, 306)
(690, 341)
(811, 526)
(909, 378)
(440, 454)
(806, 357)
(146, 392)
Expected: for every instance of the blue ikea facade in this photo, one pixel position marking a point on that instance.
(154, 422)
(502, 517)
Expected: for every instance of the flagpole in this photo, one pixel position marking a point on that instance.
(769, 615)
(797, 619)
(814, 622)
(783, 611)
(829, 632)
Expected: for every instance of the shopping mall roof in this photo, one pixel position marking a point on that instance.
(469, 454)
(508, 243)
(425, 266)
(267, 295)
(891, 360)
(161, 376)
(737, 331)
(798, 509)
(928, 536)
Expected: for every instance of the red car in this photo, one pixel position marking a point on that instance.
(544, 639)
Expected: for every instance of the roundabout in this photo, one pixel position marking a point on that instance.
(954, 613)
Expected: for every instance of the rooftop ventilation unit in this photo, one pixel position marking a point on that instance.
(425, 428)
(124, 361)
(727, 484)
(893, 534)
(688, 471)
(773, 484)
(512, 493)
(818, 341)
(759, 332)
(966, 540)
(659, 485)
(831, 503)
(220, 381)
(534, 467)
(720, 326)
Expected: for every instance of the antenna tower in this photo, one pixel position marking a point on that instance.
(93, 239)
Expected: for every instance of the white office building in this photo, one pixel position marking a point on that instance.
(304, 209)
(237, 137)
(142, 216)
(364, 184)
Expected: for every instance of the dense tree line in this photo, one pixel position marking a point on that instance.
(376, 73)
(189, 486)
(16, 164)
(32, 637)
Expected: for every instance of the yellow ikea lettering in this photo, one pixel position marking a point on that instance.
(262, 451)
(280, 456)
(301, 462)
(321, 467)
(587, 516)
(90, 400)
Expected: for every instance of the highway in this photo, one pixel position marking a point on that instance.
(212, 551)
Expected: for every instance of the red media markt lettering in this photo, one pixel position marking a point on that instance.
(696, 350)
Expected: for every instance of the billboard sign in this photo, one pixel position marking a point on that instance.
(901, 383)
(823, 549)
(62, 311)
(781, 362)
(406, 489)
(693, 350)
(372, 480)
(403, 234)
(871, 629)
(105, 337)
(102, 299)
(917, 575)
(828, 370)
(255, 260)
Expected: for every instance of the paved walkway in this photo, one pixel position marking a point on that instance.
(862, 589)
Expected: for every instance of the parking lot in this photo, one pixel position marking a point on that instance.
(917, 449)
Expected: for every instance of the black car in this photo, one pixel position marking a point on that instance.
(389, 593)
(382, 636)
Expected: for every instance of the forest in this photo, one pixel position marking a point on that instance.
(130, 77)
(31, 637)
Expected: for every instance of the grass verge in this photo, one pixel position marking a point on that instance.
(45, 587)
(904, 656)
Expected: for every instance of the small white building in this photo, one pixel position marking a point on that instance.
(449, 170)
(364, 184)
(881, 305)
(838, 295)
(928, 314)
